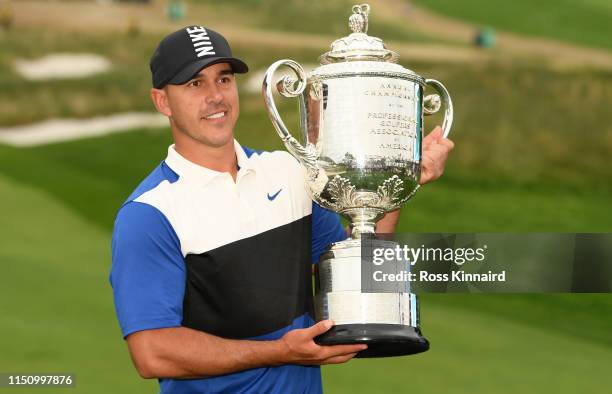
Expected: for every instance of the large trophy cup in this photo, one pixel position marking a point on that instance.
(362, 127)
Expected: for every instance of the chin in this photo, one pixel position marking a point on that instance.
(218, 141)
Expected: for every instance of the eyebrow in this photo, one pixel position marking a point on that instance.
(227, 71)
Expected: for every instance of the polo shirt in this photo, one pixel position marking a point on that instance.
(192, 247)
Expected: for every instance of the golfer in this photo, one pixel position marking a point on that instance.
(212, 252)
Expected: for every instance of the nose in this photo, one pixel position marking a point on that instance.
(214, 96)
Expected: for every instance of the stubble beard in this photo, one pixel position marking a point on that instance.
(203, 139)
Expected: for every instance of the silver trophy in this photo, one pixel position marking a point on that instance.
(361, 115)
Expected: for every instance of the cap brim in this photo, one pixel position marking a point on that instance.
(187, 73)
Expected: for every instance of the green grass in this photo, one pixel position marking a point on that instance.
(573, 315)
(530, 123)
(475, 352)
(91, 176)
(581, 22)
(123, 89)
(317, 17)
(57, 313)
(59, 316)
(294, 15)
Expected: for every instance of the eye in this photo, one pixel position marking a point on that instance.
(225, 79)
(195, 83)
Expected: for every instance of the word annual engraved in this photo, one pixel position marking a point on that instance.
(390, 89)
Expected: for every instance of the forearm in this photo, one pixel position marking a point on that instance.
(388, 223)
(183, 353)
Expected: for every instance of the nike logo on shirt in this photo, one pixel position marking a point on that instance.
(272, 197)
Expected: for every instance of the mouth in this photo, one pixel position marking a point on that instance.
(216, 115)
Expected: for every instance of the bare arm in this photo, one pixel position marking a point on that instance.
(182, 352)
(387, 224)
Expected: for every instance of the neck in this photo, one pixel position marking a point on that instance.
(221, 159)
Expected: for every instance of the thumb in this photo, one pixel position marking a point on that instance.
(320, 328)
(435, 135)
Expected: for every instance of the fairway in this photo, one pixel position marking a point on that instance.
(64, 316)
(580, 22)
(57, 312)
(475, 352)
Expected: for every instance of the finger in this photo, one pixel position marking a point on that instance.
(429, 170)
(446, 142)
(428, 140)
(339, 359)
(428, 161)
(435, 135)
(342, 350)
(319, 328)
(434, 161)
(439, 145)
(430, 176)
(436, 149)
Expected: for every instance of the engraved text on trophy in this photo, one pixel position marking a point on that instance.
(375, 117)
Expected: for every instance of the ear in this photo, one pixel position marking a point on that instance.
(160, 100)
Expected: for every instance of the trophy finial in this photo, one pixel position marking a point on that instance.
(358, 45)
(358, 22)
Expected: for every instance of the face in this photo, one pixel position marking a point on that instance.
(205, 109)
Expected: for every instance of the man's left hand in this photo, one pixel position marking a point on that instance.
(435, 152)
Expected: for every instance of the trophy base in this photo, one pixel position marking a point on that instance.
(383, 340)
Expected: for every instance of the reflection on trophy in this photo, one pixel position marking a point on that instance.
(362, 126)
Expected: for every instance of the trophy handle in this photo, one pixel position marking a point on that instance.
(286, 86)
(433, 102)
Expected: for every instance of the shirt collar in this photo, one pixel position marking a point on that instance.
(188, 169)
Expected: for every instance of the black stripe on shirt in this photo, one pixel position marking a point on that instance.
(252, 286)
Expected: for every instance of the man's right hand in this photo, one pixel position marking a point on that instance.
(300, 347)
(181, 352)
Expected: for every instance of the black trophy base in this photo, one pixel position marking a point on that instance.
(383, 340)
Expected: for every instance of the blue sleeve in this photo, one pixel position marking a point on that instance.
(326, 229)
(148, 270)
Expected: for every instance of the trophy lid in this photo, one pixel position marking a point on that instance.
(358, 46)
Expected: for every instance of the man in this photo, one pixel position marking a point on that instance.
(212, 252)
